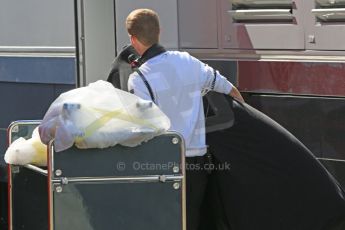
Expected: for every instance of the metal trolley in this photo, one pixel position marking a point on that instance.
(93, 189)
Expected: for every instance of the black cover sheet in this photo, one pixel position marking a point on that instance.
(275, 182)
(121, 68)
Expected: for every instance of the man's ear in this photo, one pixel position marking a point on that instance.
(135, 43)
(131, 37)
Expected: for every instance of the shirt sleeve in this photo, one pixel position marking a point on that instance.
(137, 86)
(215, 82)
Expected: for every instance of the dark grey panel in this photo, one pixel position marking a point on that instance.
(227, 68)
(24, 101)
(296, 115)
(29, 200)
(51, 70)
(155, 157)
(125, 206)
(3, 206)
(318, 122)
(3, 180)
(59, 89)
(3, 146)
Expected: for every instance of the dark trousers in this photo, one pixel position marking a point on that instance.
(196, 182)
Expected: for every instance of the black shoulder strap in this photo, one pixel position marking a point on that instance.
(147, 84)
(214, 79)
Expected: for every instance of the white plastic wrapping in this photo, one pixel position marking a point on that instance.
(100, 116)
(31, 151)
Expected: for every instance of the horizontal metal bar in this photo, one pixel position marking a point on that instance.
(256, 3)
(297, 58)
(26, 122)
(330, 2)
(38, 49)
(261, 14)
(328, 10)
(330, 14)
(263, 11)
(36, 169)
(155, 178)
(270, 55)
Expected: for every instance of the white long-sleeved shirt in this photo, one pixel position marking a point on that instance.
(177, 80)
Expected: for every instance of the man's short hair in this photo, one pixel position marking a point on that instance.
(144, 25)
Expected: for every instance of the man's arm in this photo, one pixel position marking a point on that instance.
(236, 94)
(220, 84)
(216, 82)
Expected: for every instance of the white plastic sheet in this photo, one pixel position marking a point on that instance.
(100, 116)
(31, 151)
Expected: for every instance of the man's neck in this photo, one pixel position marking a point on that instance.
(141, 50)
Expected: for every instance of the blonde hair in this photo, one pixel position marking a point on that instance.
(144, 25)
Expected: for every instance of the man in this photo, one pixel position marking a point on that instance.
(175, 81)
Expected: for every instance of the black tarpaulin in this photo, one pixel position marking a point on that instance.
(274, 182)
(121, 69)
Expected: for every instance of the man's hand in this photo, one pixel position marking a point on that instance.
(236, 94)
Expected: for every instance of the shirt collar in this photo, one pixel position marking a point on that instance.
(151, 52)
